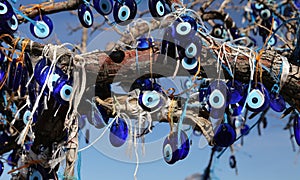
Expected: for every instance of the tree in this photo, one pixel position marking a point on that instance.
(262, 55)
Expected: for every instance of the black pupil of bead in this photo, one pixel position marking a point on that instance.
(255, 100)
(189, 61)
(13, 22)
(35, 178)
(216, 99)
(161, 8)
(68, 92)
(183, 28)
(150, 99)
(167, 154)
(1, 8)
(88, 17)
(104, 6)
(190, 49)
(123, 13)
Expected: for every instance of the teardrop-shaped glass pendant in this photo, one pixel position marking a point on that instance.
(150, 100)
(144, 43)
(277, 102)
(170, 152)
(118, 132)
(12, 73)
(42, 28)
(245, 130)
(85, 15)
(62, 90)
(6, 10)
(124, 11)
(297, 129)
(158, 8)
(184, 28)
(18, 77)
(236, 91)
(225, 135)
(218, 31)
(103, 7)
(258, 99)
(184, 149)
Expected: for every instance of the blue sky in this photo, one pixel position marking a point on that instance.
(269, 156)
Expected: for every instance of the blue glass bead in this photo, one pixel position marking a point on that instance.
(62, 90)
(277, 102)
(1, 168)
(236, 109)
(169, 151)
(297, 129)
(218, 98)
(184, 29)
(265, 14)
(18, 76)
(158, 8)
(9, 26)
(185, 145)
(118, 133)
(232, 161)
(203, 94)
(6, 10)
(4, 138)
(3, 76)
(144, 43)
(193, 48)
(2, 56)
(124, 11)
(12, 159)
(103, 7)
(218, 31)
(234, 32)
(27, 114)
(190, 64)
(150, 100)
(24, 80)
(297, 3)
(42, 28)
(236, 91)
(39, 68)
(245, 130)
(12, 72)
(35, 175)
(85, 15)
(225, 135)
(258, 99)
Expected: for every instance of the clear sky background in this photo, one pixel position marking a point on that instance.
(269, 156)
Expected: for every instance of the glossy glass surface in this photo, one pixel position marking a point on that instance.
(258, 99)
(236, 91)
(62, 90)
(297, 129)
(103, 7)
(225, 135)
(277, 102)
(43, 27)
(124, 11)
(157, 8)
(118, 133)
(85, 16)
(6, 10)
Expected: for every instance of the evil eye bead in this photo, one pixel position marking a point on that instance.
(103, 7)
(1, 167)
(184, 27)
(6, 10)
(217, 99)
(150, 100)
(63, 90)
(297, 129)
(190, 64)
(2, 57)
(125, 11)
(258, 98)
(118, 133)
(225, 135)
(157, 8)
(245, 130)
(42, 28)
(265, 14)
(218, 31)
(277, 102)
(232, 162)
(258, 6)
(184, 146)
(54, 77)
(236, 91)
(26, 117)
(11, 25)
(272, 41)
(170, 152)
(85, 15)
(35, 175)
(144, 43)
(193, 49)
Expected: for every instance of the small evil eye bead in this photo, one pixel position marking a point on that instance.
(170, 152)
(225, 135)
(296, 127)
(265, 14)
(35, 175)
(11, 25)
(42, 28)
(40, 66)
(277, 102)
(124, 11)
(1, 168)
(150, 100)
(85, 15)
(190, 64)
(218, 31)
(54, 77)
(232, 161)
(6, 10)
(272, 41)
(184, 28)
(236, 91)
(245, 130)
(103, 7)
(157, 8)
(118, 133)
(193, 48)
(143, 44)
(258, 99)
(62, 90)
(27, 115)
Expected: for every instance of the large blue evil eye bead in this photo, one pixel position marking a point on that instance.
(11, 25)
(150, 100)
(103, 7)
(190, 64)
(183, 28)
(277, 102)
(170, 152)
(62, 90)
(27, 115)
(218, 94)
(258, 99)
(157, 8)
(6, 10)
(218, 31)
(85, 15)
(236, 91)
(1, 167)
(42, 28)
(225, 135)
(297, 129)
(124, 11)
(118, 132)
